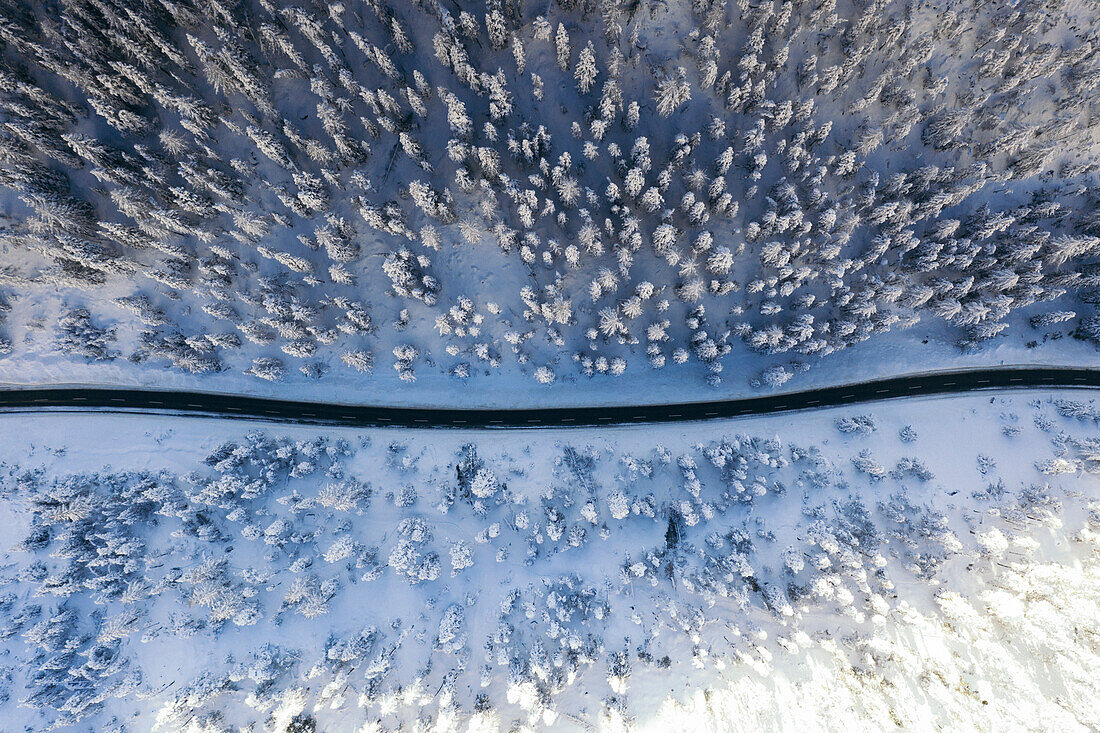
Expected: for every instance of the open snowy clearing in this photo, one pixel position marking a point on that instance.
(837, 569)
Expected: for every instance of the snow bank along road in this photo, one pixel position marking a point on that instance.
(257, 408)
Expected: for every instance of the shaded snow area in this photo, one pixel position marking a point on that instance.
(507, 202)
(856, 570)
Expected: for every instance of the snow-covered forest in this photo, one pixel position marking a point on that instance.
(849, 570)
(558, 198)
(474, 204)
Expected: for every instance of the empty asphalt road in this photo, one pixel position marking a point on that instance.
(256, 408)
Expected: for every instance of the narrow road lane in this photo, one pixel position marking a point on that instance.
(319, 413)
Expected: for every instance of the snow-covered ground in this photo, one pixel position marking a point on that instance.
(924, 564)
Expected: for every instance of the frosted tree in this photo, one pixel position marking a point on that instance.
(360, 361)
(461, 557)
(720, 261)
(776, 376)
(500, 99)
(586, 70)
(561, 44)
(496, 29)
(267, 368)
(78, 335)
(672, 92)
(544, 375)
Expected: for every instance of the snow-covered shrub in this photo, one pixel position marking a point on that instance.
(862, 424)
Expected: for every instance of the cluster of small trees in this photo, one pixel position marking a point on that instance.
(78, 335)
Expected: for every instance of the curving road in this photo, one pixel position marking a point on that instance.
(258, 408)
